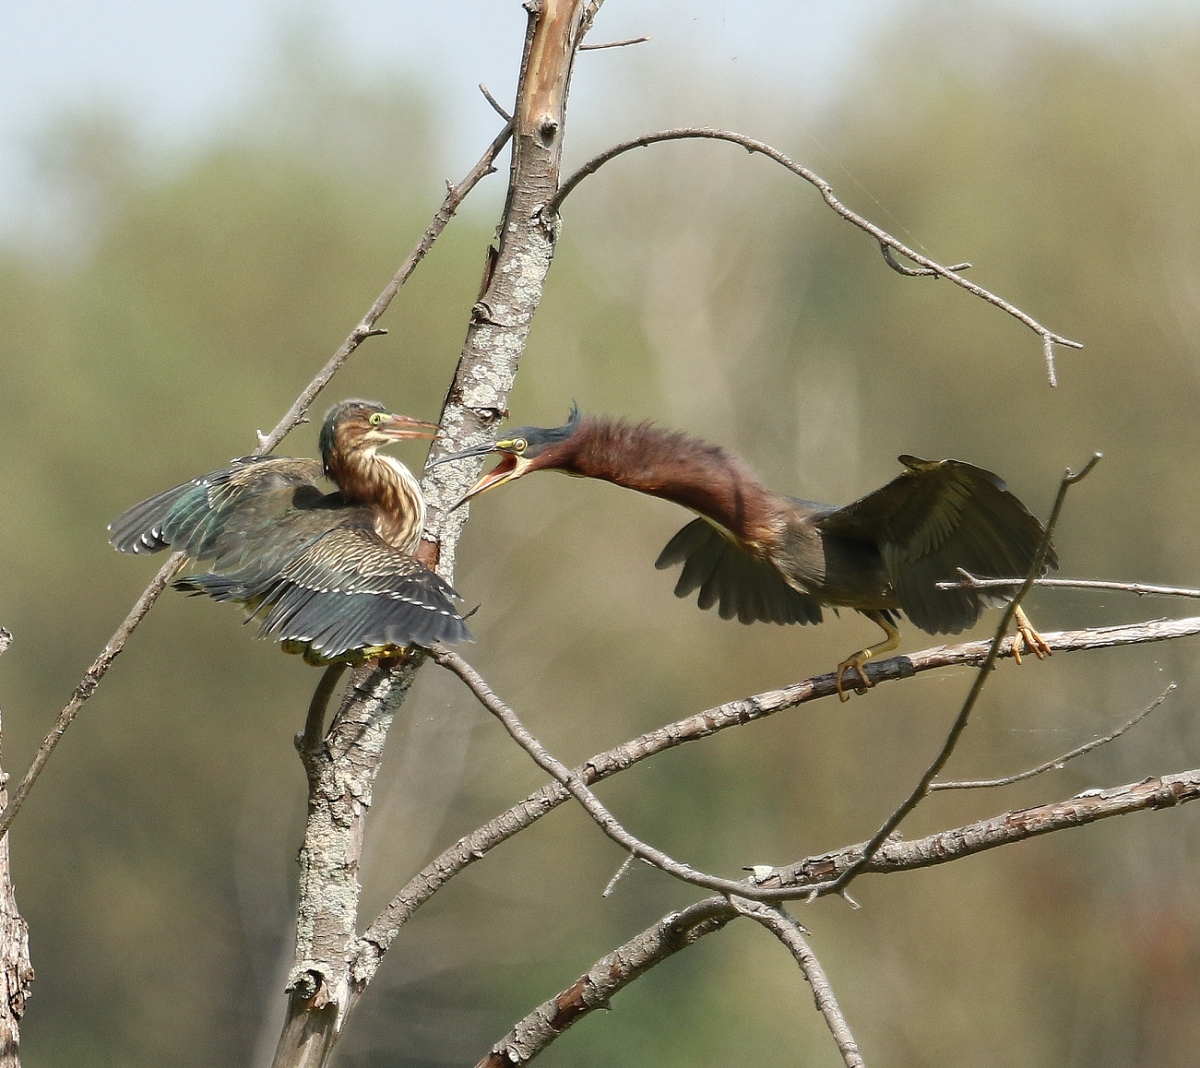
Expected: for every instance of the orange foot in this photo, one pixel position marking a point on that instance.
(1033, 641)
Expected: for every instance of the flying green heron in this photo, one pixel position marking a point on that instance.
(760, 555)
(330, 575)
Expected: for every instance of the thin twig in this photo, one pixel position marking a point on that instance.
(496, 105)
(620, 874)
(295, 415)
(1049, 338)
(87, 686)
(607, 977)
(614, 44)
(818, 875)
(574, 783)
(476, 845)
(921, 790)
(1059, 761)
(784, 926)
(366, 326)
(1141, 589)
(916, 272)
(309, 742)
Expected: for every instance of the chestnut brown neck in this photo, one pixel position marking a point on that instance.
(676, 467)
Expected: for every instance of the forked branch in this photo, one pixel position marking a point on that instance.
(886, 241)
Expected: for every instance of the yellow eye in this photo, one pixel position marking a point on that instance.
(377, 418)
(519, 445)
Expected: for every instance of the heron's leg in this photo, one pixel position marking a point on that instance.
(1034, 642)
(855, 661)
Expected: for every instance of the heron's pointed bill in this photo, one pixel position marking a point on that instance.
(405, 428)
(511, 466)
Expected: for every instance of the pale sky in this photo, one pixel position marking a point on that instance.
(179, 70)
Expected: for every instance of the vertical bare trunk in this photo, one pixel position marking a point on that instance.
(331, 969)
(16, 971)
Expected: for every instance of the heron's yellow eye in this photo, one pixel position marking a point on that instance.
(519, 445)
(377, 418)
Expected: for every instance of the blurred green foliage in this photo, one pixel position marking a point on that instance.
(708, 290)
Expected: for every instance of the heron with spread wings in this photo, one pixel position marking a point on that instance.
(330, 575)
(758, 555)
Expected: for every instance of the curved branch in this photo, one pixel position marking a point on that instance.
(784, 926)
(574, 783)
(1058, 761)
(266, 442)
(607, 977)
(817, 875)
(475, 846)
(612, 973)
(886, 241)
(921, 790)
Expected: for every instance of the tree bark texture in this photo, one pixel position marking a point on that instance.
(16, 970)
(331, 970)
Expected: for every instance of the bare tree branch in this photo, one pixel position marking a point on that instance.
(815, 875)
(921, 790)
(613, 44)
(788, 930)
(1141, 589)
(1049, 337)
(87, 686)
(818, 875)
(606, 978)
(266, 442)
(578, 789)
(330, 972)
(1059, 761)
(16, 969)
(476, 845)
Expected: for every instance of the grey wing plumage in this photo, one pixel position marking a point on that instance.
(346, 589)
(740, 585)
(934, 518)
(226, 515)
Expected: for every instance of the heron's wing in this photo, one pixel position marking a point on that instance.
(227, 516)
(936, 517)
(346, 589)
(732, 579)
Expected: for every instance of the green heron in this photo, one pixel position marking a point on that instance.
(329, 575)
(760, 555)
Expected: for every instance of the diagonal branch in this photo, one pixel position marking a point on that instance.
(266, 442)
(921, 790)
(612, 973)
(817, 875)
(574, 784)
(421, 887)
(886, 241)
(788, 930)
(1059, 761)
(607, 977)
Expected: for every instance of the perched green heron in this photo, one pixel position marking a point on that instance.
(759, 555)
(330, 575)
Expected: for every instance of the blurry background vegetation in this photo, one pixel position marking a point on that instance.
(184, 299)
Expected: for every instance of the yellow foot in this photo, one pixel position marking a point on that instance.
(1034, 642)
(853, 663)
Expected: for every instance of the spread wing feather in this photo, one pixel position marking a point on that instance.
(228, 515)
(347, 589)
(726, 576)
(931, 520)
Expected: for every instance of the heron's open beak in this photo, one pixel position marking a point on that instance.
(405, 428)
(511, 466)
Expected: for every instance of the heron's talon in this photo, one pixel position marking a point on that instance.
(854, 663)
(1027, 634)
